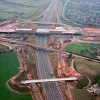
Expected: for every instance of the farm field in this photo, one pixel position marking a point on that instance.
(8, 68)
(83, 49)
(30, 2)
(37, 2)
(17, 1)
(21, 8)
(24, 10)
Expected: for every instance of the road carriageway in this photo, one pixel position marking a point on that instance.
(51, 88)
(45, 48)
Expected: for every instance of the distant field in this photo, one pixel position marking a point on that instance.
(3, 6)
(4, 15)
(12, 8)
(30, 2)
(18, 1)
(25, 10)
(38, 2)
(82, 49)
(38, 11)
(8, 68)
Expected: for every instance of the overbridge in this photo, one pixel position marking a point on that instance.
(29, 44)
(44, 23)
(49, 80)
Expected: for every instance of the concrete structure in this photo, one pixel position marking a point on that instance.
(57, 30)
(42, 30)
(45, 48)
(7, 30)
(23, 29)
(49, 80)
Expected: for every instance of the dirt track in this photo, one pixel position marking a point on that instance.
(92, 30)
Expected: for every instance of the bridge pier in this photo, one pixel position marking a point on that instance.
(41, 34)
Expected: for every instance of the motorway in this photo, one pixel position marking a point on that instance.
(43, 73)
(50, 10)
(51, 88)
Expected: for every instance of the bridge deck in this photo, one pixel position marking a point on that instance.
(49, 80)
(28, 43)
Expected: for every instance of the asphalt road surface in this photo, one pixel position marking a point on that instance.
(51, 88)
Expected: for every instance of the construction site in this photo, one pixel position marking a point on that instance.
(43, 58)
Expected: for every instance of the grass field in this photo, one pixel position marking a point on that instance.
(38, 2)
(18, 1)
(81, 94)
(8, 68)
(24, 7)
(30, 2)
(82, 49)
(25, 10)
(92, 69)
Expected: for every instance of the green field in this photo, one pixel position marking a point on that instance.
(38, 11)
(30, 2)
(8, 68)
(4, 15)
(81, 94)
(82, 49)
(22, 8)
(18, 1)
(38, 2)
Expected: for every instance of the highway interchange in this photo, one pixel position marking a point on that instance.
(51, 88)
